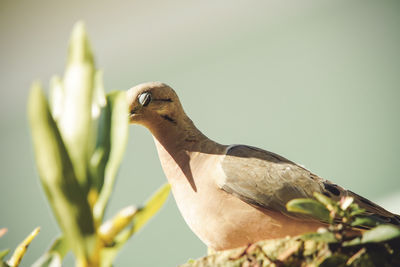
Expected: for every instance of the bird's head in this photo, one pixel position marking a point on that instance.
(153, 103)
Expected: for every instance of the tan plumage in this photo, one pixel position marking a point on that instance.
(229, 196)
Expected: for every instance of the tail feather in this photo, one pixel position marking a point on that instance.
(375, 211)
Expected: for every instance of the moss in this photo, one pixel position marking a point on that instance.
(307, 250)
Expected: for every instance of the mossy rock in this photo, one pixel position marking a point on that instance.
(307, 250)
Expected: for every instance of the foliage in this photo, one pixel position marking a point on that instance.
(19, 252)
(79, 137)
(336, 245)
(343, 217)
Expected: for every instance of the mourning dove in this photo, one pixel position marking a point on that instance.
(230, 196)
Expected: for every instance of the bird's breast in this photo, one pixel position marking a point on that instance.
(219, 219)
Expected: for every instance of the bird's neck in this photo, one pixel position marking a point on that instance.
(176, 136)
(179, 144)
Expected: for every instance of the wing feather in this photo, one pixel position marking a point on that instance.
(269, 181)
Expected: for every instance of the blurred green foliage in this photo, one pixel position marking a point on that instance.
(79, 137)
(342, 218)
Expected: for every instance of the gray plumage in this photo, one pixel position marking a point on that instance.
(269, 181)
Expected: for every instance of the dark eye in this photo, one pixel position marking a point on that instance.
(144, 99)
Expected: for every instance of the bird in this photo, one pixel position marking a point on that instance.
(229, 195)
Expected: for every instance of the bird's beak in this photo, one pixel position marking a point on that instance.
(133, 114)
(130, 117)
(132, 111)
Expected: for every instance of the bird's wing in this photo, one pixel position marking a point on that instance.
(269, 181)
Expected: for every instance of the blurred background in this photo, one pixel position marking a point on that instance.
(316, 81)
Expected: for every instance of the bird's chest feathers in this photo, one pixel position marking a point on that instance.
(192, 177)
(190, 172)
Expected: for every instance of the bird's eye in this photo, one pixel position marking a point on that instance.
(144, 99)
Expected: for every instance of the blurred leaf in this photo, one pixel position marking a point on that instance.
(60, 246)
(109, 230)
(381, 233)
(327, 237)
(100, 130)
(57, 175)
(3, 264)
(102, 148)
(4, 253)
(108, 255)
(53, 257)
(324, 200)
(151, 208)
(142, 216)
(20, 251)
(99, 96)
(97, 163)
(356, 210)
(111, 146)
(49, 260)
(75, 121)
(309, 207)
(353, 242)
(378, 234)
(56, 97)
(364, 221)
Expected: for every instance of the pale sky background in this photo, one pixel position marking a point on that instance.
(316, 81)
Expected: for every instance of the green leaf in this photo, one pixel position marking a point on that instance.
(100, 145)
(353, 242)
(54, 256)
(381, 233)
(364, 221)
(324, 199)
(113, 135)
(309, 207)
(4, 253)
(99, 96)
(49, 260)
(378, 234)
(152, 206)
(75, 121)
(327, 237)
(56, 97)
(60, 246)
(111, 228)
(20, 251)
(3, 264)
(356, 210)
(63, 191)
(79, 47)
